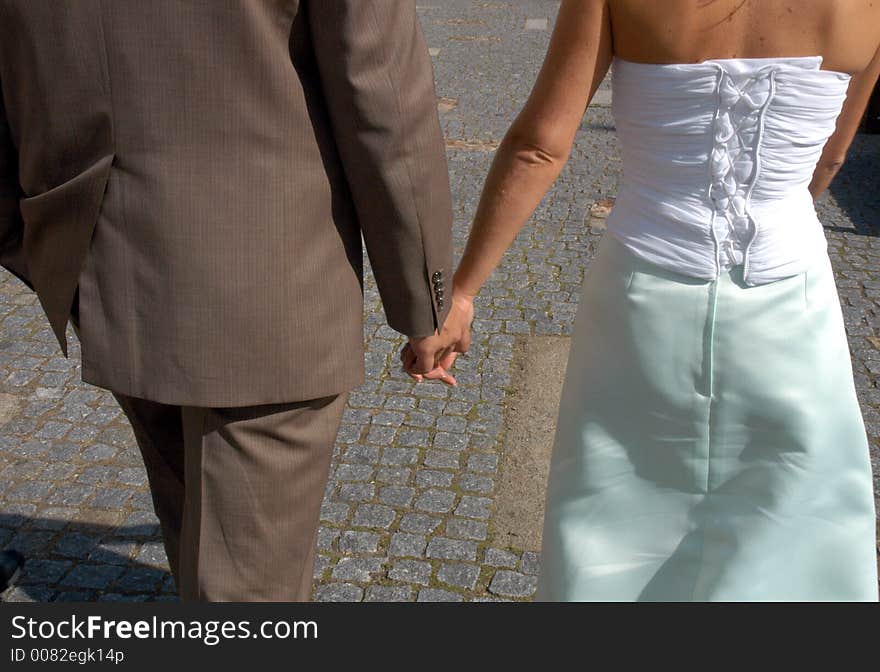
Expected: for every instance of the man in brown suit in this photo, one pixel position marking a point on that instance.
(190, 182)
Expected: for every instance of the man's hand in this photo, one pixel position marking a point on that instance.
(431, 358)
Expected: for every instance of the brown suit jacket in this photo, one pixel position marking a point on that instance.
(203, 172)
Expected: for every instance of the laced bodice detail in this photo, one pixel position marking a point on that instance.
(717, 161)
(734, 162)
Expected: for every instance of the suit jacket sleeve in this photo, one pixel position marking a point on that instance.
(378, 84)
(11, 225)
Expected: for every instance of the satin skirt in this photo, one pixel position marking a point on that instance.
(710, 444)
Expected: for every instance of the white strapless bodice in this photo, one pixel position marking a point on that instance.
(717, 160)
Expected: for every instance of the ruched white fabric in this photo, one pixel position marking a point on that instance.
(717, 160)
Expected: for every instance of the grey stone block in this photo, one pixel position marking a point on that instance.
(405, 544)
(389, 594)
(396, 475)
(411, 571)
(152, 554)
(357, 569)
(361, 454)
(463, 528)
(513, 584)
(417, 438)
(395, 495)
(459, 575)
(339, 592)
(474, 507)
(438, 595)
(426, 478)
(419, 523)
(497, 557)
(326, 537)
(353, 541)
(441, 459)
(354, 473)
(475, 483)
(76, 545)
(141, 580)
(373, 515)
(483, 463)
(44, 571)
(453, 442)
(530, 563)
(356, 492)
(400, 456)
(452, 549)
(435, 501)
(92, 576)
(334, 512)
(115, 552)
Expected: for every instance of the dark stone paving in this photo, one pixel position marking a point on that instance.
(408, 510)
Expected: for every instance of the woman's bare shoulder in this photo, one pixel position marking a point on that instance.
(846, 33)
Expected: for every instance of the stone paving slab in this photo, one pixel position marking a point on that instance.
(414, 488)
(530, 424)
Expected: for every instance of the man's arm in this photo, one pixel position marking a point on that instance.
(11, 225)
(379, 85)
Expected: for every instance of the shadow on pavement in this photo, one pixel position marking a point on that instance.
(86, 562)
(856, 189)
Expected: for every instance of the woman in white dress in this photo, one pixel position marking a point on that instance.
(710, 444)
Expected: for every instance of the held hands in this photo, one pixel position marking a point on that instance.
(432, 357)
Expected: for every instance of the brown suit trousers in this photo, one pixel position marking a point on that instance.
(238, 493)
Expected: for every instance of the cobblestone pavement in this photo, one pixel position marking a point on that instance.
(408, 510)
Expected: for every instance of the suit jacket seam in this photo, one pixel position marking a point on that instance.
(410, 174)
(129, 305)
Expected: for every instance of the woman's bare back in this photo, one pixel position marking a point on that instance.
(845, 33)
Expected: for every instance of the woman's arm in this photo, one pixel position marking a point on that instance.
(528, 161)
(834, 153)
(539, 142)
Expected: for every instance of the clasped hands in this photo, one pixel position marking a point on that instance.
(432, 357)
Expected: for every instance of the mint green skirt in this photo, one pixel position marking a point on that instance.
(710, 444)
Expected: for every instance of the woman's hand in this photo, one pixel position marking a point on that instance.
(431, 358)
